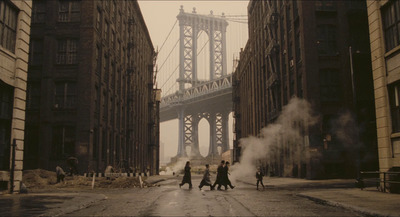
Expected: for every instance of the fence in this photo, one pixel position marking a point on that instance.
(384, 180)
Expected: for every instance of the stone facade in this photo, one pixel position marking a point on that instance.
(90, 89)
(307, 49)
(15, 19)
(385, 55)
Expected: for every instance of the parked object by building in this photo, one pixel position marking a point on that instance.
(384, 18)
(15, 19)
(316, 50)
(90, 86)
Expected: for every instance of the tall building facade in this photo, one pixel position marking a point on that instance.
(384, 19)
(316, 50)
(15, 19)
(90, 86)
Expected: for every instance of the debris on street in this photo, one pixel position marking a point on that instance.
(41, 179)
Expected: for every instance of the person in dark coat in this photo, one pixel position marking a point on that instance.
(259, 177)
(187, 178)
(220, 172)
(73, 165)
(206, 181)
(225, 179)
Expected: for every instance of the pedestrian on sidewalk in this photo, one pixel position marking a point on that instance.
(187, 177)
(225, 179)
(259, 177)
(206, 181)
(219, 178)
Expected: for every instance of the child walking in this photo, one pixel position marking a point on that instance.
(206, 181)
(259, 176)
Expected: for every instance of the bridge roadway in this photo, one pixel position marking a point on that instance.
(204, 97)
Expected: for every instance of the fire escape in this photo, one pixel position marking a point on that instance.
(131, 147)
(272, 59)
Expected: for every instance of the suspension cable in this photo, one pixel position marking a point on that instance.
(168, 36)
(170, 77)
(203, 47)
(176, 43)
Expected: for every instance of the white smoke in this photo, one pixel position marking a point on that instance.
(347, 131)
(176, 168)
(289, 128)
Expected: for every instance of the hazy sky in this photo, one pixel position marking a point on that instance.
(160, 16)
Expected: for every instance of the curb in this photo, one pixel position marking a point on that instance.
(156, 181)
(248, 183)
(345, 206)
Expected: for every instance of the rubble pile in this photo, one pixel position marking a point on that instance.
(122, 182)
(40, 179)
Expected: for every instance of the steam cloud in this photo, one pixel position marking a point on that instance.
(176, 167)
(295, 117)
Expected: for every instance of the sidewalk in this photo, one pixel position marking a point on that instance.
(368, 201)
(340, 193)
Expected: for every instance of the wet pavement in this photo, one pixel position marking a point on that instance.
(28, 205)
(244, 200)
(47, 203)
(282, 197)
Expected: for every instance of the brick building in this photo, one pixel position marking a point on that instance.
(90, 87)
(316, 50)
(383, 18)
(15, 19)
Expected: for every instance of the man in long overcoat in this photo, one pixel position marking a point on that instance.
(219, 179)
(187, 178)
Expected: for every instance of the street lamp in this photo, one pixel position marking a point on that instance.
(354, 103)
(352, 75)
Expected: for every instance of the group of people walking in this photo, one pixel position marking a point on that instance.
(221, 180)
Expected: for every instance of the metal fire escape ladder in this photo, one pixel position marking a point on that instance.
(271, 24)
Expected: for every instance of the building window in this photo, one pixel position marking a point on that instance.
(106, 67)
(65, 95)
(326, 39)
(33, 95)
(391, 22)
(104, 147)
(113, 76)
(113, 40)
(394, 99)
(69, 11)
(6, 106)
(324, 5)
(98, 19)
(298, 46)
(113, 8)
(38, 11)
(97, 102)
(67, 50)
(95, 143)
(8, 25)
(36, 52)
(106, 26)
(104, 106)
(63, 141)
(98, 60)
(106, 5)
(329, 85)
